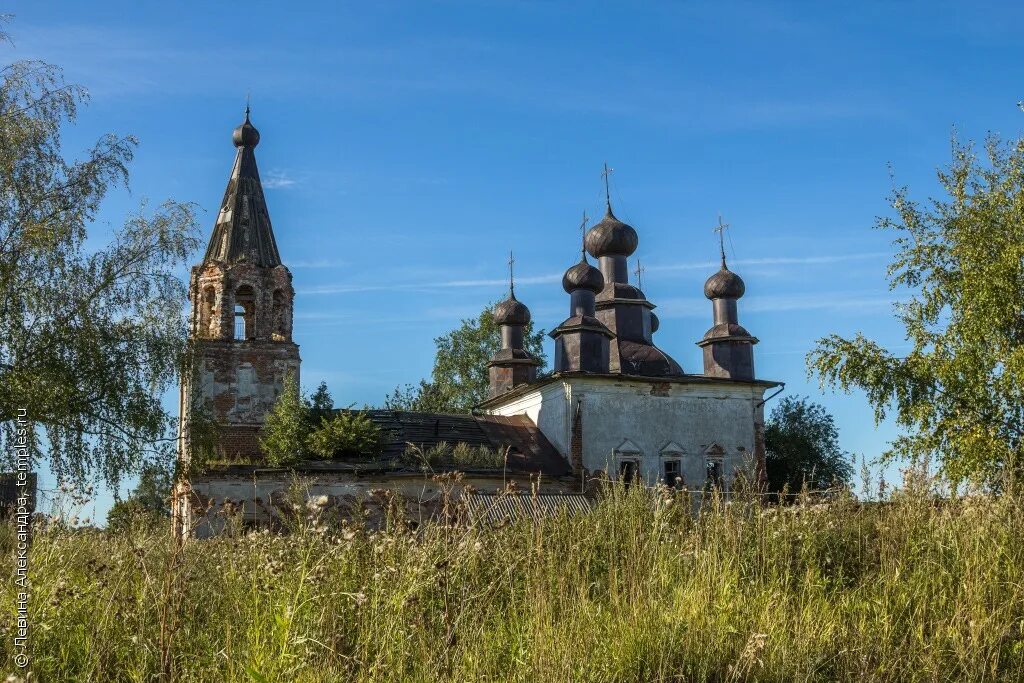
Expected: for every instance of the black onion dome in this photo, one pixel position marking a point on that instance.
(583, 276)
(655, 323)
(611, 237)
(724, 284)
(246, 134)
(511, 312)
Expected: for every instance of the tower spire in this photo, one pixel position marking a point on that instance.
(242, 231)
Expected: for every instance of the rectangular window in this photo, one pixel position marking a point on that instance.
(629, 471)
(715, 478)
(673, 473)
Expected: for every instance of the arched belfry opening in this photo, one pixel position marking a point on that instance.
(245, 313)
(279, 316)
(208, 312)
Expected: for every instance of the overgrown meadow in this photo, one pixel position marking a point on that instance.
(639, 590)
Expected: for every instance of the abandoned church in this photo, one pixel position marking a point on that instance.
(614, 405)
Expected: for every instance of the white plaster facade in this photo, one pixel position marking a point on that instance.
(691, 421)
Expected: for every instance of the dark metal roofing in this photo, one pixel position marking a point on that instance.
(511, 311)
(576, 323)
(724, 284)
(494, 508)
(510, 356)
(583, 276)
(243, 231)
(622, 291)
(727, 332)
(611, 237)
(637, 358)
(530, 449)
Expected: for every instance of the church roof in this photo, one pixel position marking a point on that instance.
(530, 449)
(243, 231)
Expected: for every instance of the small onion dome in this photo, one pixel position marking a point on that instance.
(724, 284)
(611, 237)
(511, 312)
(246, 134)
(583, 276)
(655, 323)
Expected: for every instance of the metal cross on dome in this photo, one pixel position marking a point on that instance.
(639, 274)
(511, 277)
(583, 233)
(607, 189)
(720, 229)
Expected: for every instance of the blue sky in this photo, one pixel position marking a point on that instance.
(406, 147)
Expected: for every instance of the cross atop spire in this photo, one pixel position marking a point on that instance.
(639, 274)
(247, 98)
(583, 235)
(720, 229)
(511, 275)
(607, 188)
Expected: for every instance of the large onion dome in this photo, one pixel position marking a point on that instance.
(611, 237)
(511, 312)
(724, 284)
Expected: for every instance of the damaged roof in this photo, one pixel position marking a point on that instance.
(530, 451)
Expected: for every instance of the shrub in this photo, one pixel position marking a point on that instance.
(283, 438)
(348, 433)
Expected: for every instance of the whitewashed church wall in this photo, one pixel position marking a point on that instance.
(654, 422)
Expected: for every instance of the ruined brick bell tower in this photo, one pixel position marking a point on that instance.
(241, 319)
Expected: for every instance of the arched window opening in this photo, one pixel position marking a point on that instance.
(245, 313)
(628, 456)
(629, 471)
(714, 460)
(208, 312)
(280, 317)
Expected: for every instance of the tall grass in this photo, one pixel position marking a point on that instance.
(635, 591)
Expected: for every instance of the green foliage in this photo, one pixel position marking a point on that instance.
(130, 515)
(958, 394)
(459, 379)
(91, 334)
(802, 446)
(460, 455)
(348, 433)
(319, 406)
(906, 590)
(283, 438)
(148, 503)
(299, 428)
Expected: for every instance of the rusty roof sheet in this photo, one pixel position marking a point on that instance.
(489, 508)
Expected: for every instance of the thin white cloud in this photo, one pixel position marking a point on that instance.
(849, 302)
(346, 288)
(278, 180)
(428, 285)
(318, 263)
(770, 261)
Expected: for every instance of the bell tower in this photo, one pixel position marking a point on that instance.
(241, 313)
